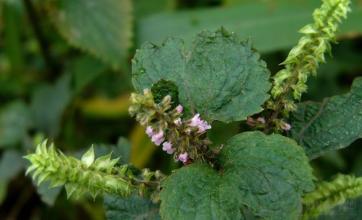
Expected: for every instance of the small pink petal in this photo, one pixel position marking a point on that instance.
(286, 126)
(149, 131)
(183, 157)
(158, 138)
(179, 109)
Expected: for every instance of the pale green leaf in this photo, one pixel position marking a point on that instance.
(131, 208)
(270, 26)
(221, 77)
(102, 28)
(264, 176)
(333, 124)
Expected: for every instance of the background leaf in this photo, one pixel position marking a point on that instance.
(48, 105)
(103, 28)
(263, 23)
(15, 122)
(333, 124)
(221, 77)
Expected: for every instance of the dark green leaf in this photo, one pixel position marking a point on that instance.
(11, 163)
(222, 77)
(85, 69)
(131, 208)
(262, 175)
(48, 105)
(333, 124)
(102, 28)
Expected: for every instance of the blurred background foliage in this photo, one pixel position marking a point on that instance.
(65, 75)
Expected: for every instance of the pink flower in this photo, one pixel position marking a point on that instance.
(179, 109)
(183, 157)
(158, 138)
(149, 131)
(285, 126)
(178, 122)
(167, 146)
(202, 125)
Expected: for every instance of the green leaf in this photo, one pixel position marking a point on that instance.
(11, 163)
(262, 175)
(47, 193)
(222, 77)
(122, 150)
(333, 124)
(130, 208)
(15, 122)
(270, 26)
(48, 105)
(85, 69)
(102, 28)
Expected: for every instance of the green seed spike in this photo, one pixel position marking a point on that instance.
(95, 176)
(304, 58)
(328, 195)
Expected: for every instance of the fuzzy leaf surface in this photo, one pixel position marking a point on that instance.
(330, 125)
(264, 176)
(130, 208)
(102, 28)
(221, 77)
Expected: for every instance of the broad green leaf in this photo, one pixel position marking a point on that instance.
(270, 26)
(330, 125)
(221, 77)
(102, 28)
(48, 105)
(199, 192)
(15, 122)
(130, 208)
(264, 176)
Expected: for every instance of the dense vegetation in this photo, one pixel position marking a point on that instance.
(90, 88)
